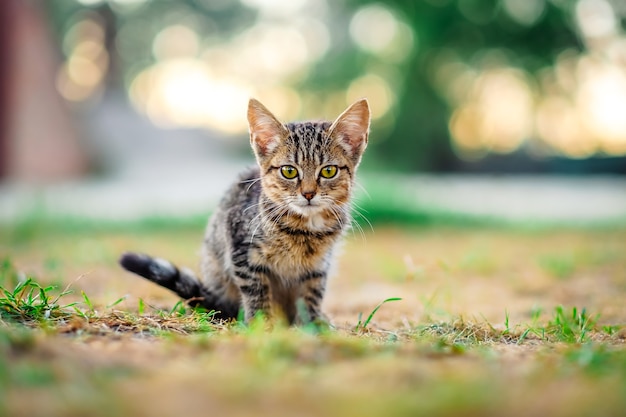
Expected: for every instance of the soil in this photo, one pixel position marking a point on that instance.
(484, 281)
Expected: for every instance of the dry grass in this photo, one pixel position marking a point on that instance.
(479, 331)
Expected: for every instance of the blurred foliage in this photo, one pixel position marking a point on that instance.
(413, 132)
(131, 26)
(465, 28)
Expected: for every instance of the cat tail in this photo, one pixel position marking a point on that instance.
(182, 281)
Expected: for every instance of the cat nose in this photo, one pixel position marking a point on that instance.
(309, 195)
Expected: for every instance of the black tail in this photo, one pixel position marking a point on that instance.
(164, 273)
(182, 282)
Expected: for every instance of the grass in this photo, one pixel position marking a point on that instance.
(362, 325)
(28, 301)
(469, 322)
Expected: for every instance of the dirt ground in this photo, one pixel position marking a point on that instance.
(486, 278)
(481, 275)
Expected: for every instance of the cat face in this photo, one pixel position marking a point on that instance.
(309, 167)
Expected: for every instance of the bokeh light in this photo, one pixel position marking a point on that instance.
(194, 83)
(375, 29)
(376, 89)
(186, 70)
(596, 18)
(177, 41)
(526, 12)
(575, 109)
(601, 102)
(184, 92)
(83, 73)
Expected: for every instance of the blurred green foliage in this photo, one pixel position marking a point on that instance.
(415, 134)
(419, 138)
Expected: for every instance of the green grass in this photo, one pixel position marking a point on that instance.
(78, 336)
(28, 300)
(33, 304)
(362, 325)
(574, 326)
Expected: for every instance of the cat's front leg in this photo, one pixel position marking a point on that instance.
(313, 286)
(255, 294)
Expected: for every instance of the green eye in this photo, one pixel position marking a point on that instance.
(329, 171)
(289, 172)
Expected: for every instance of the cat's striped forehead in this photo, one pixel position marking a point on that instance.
(308, 141)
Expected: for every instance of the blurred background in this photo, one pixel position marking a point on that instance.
(127, 108)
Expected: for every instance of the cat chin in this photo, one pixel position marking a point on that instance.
(313, 216)
(306, 210)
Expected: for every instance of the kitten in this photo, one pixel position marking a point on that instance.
(270, 242)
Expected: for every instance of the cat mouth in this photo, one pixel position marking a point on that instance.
(307, 209)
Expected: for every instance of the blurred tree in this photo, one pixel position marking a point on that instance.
(6, 12)
(411, 134)
(130, 27)
(419, 138)
(37, 139)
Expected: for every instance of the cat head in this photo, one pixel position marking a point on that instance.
(309, 167)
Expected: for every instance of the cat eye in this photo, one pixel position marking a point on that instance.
(329, 171)
(289, 172)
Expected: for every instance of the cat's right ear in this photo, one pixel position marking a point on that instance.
(352, 127)
(266, 132)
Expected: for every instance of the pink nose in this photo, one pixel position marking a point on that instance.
(309, 195)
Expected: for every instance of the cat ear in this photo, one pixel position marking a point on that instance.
(352, 127)
(266, 131)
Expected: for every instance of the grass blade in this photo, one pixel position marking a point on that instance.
(371, 315)
(116, 302)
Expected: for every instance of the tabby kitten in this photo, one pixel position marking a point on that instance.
(268, 247)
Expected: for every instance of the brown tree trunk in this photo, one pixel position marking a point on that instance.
(39, 139)
(6, 7)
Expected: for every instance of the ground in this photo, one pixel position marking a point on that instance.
(491, 321)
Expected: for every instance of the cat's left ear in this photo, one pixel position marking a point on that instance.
(266, 132)
(352, 127)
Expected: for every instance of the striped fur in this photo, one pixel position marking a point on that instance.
(269, 246)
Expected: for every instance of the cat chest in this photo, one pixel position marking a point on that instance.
(291, 258)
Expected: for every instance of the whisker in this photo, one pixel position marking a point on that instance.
(344, 212)
(362, 188)
(334, 212)
(251, 206)
(361, 215)
(268, 217)
(356, 209)
(357, 226)
(251, 181)
(355, 204)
